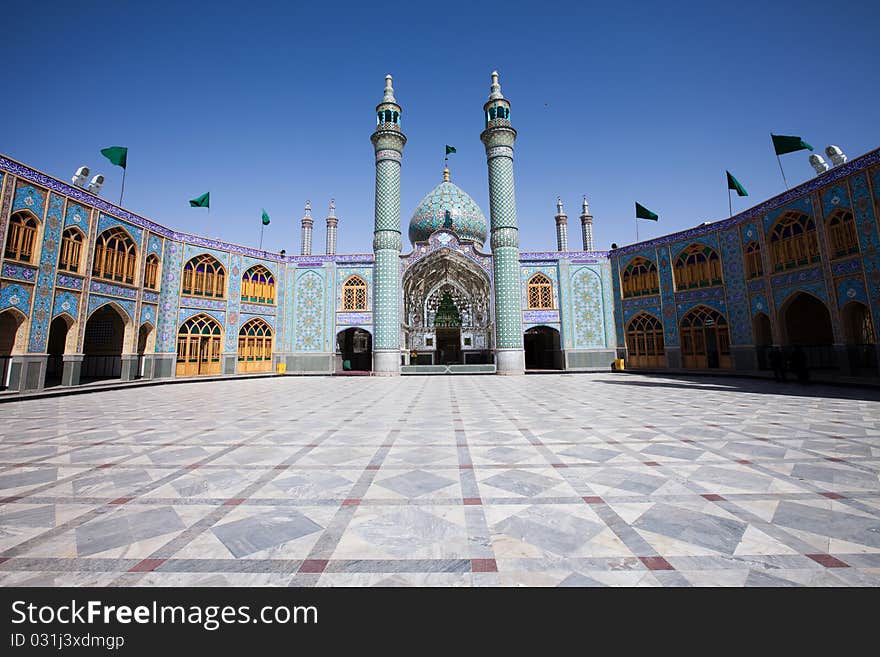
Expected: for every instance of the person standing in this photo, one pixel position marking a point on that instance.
(777, 364)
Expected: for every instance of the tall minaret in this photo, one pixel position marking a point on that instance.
(332, 221)
(498, 138)
(388, 142)
(561, 227)
(307, 224)
(587, 226)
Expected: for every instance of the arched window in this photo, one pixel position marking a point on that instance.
(705, 339)
(21, 237)
(354, 294)
(644, 342)
(640, 278)
(115, 256)
(540, 292)
(71, 250)
(198, 346)
(151, 272)
(258, 285)
(842, 234)
(754, 265)
(255, 347)
(697, 266)
(204, 276)
(793, 241)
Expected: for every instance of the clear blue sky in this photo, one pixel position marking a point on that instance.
(266, 105)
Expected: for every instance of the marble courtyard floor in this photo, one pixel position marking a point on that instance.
(573, 480)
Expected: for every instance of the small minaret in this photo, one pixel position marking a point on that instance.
(307, 223)
(332, 221)
(587, 226)
(561, 227)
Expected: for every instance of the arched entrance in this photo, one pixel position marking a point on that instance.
(542, 348)
(198, 346)
(860, 338)
(56, 346)
(644, 342)
(102, 347)
(807, 324)
(12, 329)
(763, 339)
(354, 350)
(705, 339)
(255, 347)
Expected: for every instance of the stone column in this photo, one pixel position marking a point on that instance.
(498, 138)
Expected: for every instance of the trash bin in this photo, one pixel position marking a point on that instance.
(617, 364)
(281, 368)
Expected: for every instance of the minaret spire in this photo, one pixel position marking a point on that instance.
(307, 223)
(561, 226)
(332, 222)
(587, 226)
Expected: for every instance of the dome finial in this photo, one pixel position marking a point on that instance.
(308, 208)
(495, 89)
(446, 173)
(559, 209)
(332, 207)
(389, 91)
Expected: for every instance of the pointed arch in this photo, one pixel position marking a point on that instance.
(793, 241)
(115, 256)
(258, 285)
(354, 293)
(72, 248)
(705, 339)
(151, 272)
(754, 263)
(644, 342)
(255, 341)
(843, 240)
(199, 341)
(540, 292)
(697, 265)
(204, 276)
(22, 237)
(639, 278)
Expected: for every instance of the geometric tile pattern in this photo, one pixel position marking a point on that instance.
(447, 481)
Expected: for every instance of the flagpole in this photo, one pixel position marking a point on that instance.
(729, 202)
(637, 229)
(783, 172)
(262, 228)
(122, 191)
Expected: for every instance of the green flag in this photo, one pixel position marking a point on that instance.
(733, 183)
(783, 144)
(203, 201)
(265, 218)
(644, 213)
(450, 149)
(118, 155)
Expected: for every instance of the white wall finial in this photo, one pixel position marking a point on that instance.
(495, 89)
(837, 156)
(818, 163)
(389, 91)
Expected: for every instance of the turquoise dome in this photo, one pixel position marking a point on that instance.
(464, 218)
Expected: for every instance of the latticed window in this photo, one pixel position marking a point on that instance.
(644, 339)
(640, 278)
(204, 276)
(754, 265)
(71, 250)
(21, 237)
(258, 285)
(255, 342)
(842, 234)
(793, 241)
(151, 272)
(540, 291)
(115, 256)
(354, 294)
(697, 266)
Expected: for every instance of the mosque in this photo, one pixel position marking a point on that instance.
(89, 290)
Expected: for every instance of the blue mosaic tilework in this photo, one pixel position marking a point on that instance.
(354, 319)
(148, 314)
(15, 296)
(155, 245)
(444, 240)
(781, 294)
(629, 313)
(735, 287)
(30, 198)
(465, 217)
(234, 302)
(166, 330)
(554, 325)
(699, 294)
(575, 257)
(20, 272)
(185, 313)
(343, 274)
(803, 204)
(608, 304)
(43, 296)
(106, 221)
(851, 289)
(246, 317)
(759, 305)
(526, 273)
(78, 216)
(750, 232)
(618, 307)
(289, 309)
(113, 290)
(150, 297)
(535, 317)
(191, 251)
(756, 285)
(199, 302)
(257, 309)
(96, 301)
(669, 318)
(844, 267)
(309, 309)
(67, 303)
(652, 301)
(709, 239)
(800, 276)
(835, 197)
(864, 213)
(588, 321)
